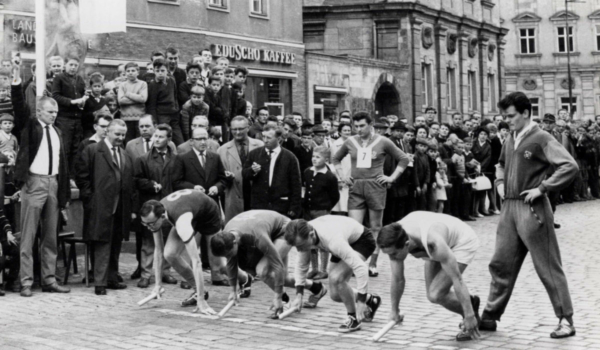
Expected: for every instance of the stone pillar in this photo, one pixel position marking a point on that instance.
(484, 41)
(416, 26)
(587, 96)
(2, 43)
(502, 90)
(463, 56)
(440, 62)
(548, 84)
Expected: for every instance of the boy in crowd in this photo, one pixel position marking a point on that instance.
(460, 195)
(162, 100)
(239, 106)
(194, 73)
(193, 107)
(9, 145)
(213, 99)
(5, 101)
(472, 169)
(320, 197)
(228, 77)
(225, 97)
(92, 104)
(222, 63)
(68, 89)
(432, 156)
(422, 174)
(132, 96)
(240, 75)
(304, 152)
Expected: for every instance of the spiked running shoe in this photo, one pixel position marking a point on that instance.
(351, 325)
(245, 288)
(373, 305)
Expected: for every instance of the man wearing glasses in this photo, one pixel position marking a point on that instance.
(233, 155)
(187, 212)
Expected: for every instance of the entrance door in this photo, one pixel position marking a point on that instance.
(387, 101)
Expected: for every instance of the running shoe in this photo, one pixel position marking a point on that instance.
(563, 331)
(351, 325)
(191, 300)
(373, 304)
(245, 288)
(313, 299)
(321, 275)
(276, 313)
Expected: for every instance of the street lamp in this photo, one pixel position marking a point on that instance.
(568, 44)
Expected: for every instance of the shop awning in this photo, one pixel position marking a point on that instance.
(268, 73)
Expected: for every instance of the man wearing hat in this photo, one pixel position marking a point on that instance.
(304, 151)
(307, 126)
(319, 134)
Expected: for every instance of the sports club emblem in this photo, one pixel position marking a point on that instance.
(527, 155)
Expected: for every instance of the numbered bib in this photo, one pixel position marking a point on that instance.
(176, 195)
(363, 158)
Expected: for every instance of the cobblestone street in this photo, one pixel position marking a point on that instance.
(81, 320)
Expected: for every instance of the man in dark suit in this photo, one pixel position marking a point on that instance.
(42, 174)
(106, 184)
(275, 176)
(136, 148)
(152, 174)
(202, 170)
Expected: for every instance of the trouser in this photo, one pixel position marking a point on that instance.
(9, 258)
(173, 121)
(72, 133)
(466, 200)
(522, 229)
(39, 205)
(147, 253)
(106, 253)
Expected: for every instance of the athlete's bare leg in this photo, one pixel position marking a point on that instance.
(438, 285)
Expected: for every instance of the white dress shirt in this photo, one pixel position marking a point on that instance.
(274, 154)
(41, 162)
(110, 147)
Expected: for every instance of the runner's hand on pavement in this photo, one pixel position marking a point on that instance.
(470, 326)
(234, 296)
(203, 307)
(298, 303)
(396, 317)
(361, 310)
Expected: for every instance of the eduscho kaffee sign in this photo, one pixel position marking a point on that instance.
(243, 53)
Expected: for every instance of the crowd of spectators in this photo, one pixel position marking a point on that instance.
(135, 138)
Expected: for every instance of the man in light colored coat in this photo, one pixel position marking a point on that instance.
(233, 155)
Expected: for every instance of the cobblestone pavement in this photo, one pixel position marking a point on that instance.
(81, 320)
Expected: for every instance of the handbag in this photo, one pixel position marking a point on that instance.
(481, 183)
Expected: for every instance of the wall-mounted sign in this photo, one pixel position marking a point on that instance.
(242, 53)
(19, 33)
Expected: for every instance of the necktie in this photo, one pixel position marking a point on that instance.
(242, 152)
(163, 155)
(116, 157)
(147, 145)
(202, 159)
(49, 150)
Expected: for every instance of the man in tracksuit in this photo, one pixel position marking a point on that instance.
(526, 222)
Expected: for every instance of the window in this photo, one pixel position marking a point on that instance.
(527, 38)
(451, 88)
(563, 38)
(218, 4)
(472, 85)
(598, 37)
(492, 92)
(427, 85)
(387, 41)
(535, 106)
(564, 103)
(258, 7)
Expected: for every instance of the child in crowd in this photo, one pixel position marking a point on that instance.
(228, 77)
(92, 104)
(239, 107)
(9, 256)
(213, 99)
(473, 168)
(216, 134)
(422, 174)
(442, 184)
(194, 73)
(9, 146)
(460, 209)
(5, 101)
(320, 197)
(223, 63)
(432, 155)
(132, 96)
(193, 107)
(304, 152)
(162, 102)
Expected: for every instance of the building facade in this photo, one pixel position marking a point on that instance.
(541, 32)
(263, 35)
(400, 57)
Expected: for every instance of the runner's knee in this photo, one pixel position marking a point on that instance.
(435, 296)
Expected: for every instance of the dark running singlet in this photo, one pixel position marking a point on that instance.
(206, 212)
